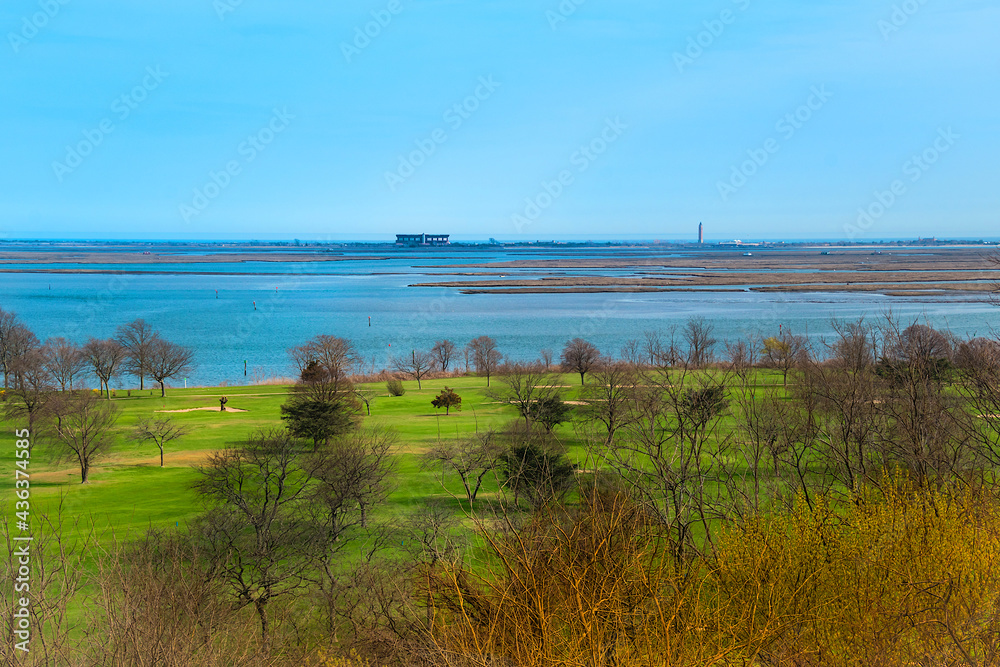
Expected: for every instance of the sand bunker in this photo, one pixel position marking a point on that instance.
(203, 410)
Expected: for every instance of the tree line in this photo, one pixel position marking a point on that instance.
(42, 385)
(767, 501)
(135, 350)
(694, 449)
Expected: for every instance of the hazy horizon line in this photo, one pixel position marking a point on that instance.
(484, 239)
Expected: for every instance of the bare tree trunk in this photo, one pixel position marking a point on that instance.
(261, 606)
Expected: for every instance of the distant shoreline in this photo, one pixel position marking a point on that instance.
(924, 273)
(326, 246)
(889, 269)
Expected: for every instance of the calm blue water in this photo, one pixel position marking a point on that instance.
(295, 301)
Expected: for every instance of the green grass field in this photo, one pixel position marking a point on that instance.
(129, 492)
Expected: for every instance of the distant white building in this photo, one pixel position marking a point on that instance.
(422, 239)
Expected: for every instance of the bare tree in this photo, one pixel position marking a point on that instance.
(32, 388)
(472, 459)
(849, 420)
(367, 397)
(485, 356)
(81, 426)
(161, 603)
(323, 403)
(772, 448)
(62, 554)
(700, 343)
(579, 356)
(854, 349)
(325, 364)
(64, 360)
(924, 431)
(255, 536)
(18, 341)
(106, 358)
(443, 353)
(545, 358)
(159, 431)
(609, 398)
(742, 358)
(664, 457)
(349, 477)
(522, 385)
(8, 328)
(785, 352)
(919, 344)
(417, 366)
(652, 348)
(353, 473)
(655, 351)
(631, 353)
(166, 360)
(978, 353)
(432, 533)
(978, 363)
(138, 339)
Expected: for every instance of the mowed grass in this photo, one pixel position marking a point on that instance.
(129, 492)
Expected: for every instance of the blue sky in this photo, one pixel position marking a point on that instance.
(229, 119)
